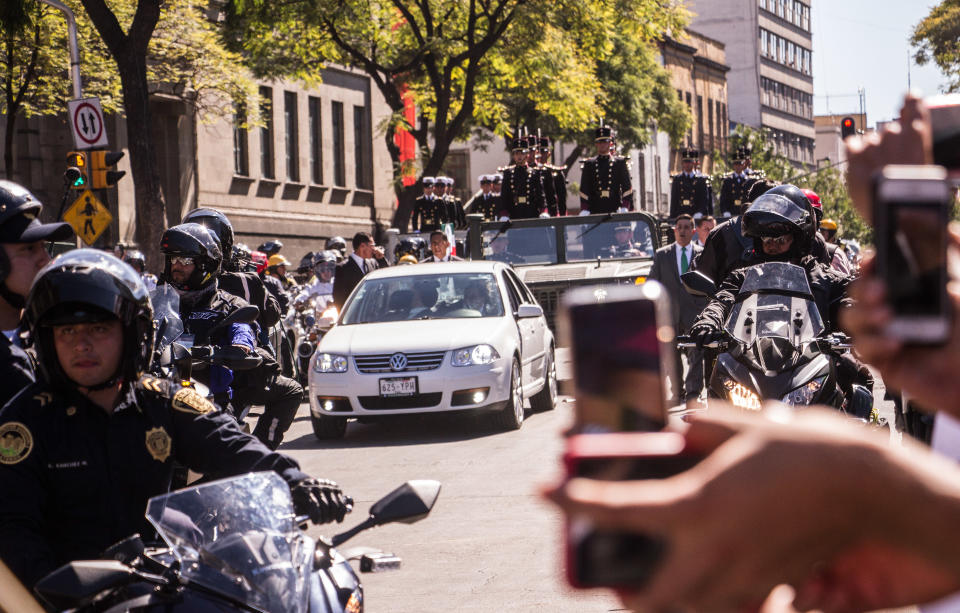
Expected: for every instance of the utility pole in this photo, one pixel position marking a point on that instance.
(74, 48)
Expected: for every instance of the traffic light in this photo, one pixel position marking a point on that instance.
(78, 160)
(101, 163)
(848, 127)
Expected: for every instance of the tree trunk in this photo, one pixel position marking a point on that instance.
(570, 159)
(8, 144)
(150, 209)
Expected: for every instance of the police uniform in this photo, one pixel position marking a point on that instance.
(690, 192)
(428, 211)
(735, 187)
(76, 479)
(17, 369)
(605, 180)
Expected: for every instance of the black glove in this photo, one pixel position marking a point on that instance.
(320, 499)
(704, 334)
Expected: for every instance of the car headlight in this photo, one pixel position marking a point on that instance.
(741, 396)
(330, 362)
(804, 394)
(476, 355)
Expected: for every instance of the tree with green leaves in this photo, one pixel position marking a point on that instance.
(937, 38)
(828, 183)
(461, 62)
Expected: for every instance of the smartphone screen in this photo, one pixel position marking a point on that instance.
(619, 347)
(916, 261)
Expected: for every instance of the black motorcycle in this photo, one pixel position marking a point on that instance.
(774, 346)
(234, 545)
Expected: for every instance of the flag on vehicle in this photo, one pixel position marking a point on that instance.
(448, 230)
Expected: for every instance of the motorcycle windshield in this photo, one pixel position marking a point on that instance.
(239, 538)
(775, 301)
(166, 314)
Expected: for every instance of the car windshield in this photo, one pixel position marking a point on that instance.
(523, 245)
(415, 297)
(609, 239)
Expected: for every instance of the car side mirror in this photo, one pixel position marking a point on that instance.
(409, 503)
(698, 283)
(529, 310)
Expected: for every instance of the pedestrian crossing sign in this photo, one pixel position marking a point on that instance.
(88, 217)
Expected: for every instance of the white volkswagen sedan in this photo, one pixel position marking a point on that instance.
(453, 336)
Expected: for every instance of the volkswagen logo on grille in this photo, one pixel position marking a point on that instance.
(398, 362)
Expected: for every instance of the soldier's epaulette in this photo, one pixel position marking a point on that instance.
(155, 385)
(727, 175)
(503, 168)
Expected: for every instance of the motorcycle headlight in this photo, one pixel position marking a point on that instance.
(741, 396)
(330, 362)
(805, 394)
(474, 356)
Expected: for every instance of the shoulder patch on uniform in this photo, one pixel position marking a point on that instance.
(158, 444)
(153, 384)
(189, 400)
(16, 442)
(43, 398)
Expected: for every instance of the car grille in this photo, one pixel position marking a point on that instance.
(380, 363)
(417, 401)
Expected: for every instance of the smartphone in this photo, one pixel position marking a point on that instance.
(911, 211)
(603, 558)
(622, 345)
(945, 122)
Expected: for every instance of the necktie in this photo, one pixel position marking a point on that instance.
(684, 262)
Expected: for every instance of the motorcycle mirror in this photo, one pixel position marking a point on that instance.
(698, 283)
(409, 503)
(74, 585)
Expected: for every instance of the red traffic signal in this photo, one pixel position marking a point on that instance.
(848, 127)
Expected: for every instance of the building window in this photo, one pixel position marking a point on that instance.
(700, 122)
(710, 143)
(690, 132)
(266, 133)
(241, 153)
(763, 41)
(316, 140)
(361, 147)
(292, 136)
(339, 172)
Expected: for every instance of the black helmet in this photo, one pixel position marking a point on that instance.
(406, 246)
(135, 258)
(336, 243)
(324, 258)
(90, 285)
(217, 223)
(306, 262)
(775, 215)
(796, 196)
(241, 258)
(193, 241)
(19, 210)
(270, 247)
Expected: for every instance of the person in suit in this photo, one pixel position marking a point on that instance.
(668, 264)
(440, 249)
(366, 256)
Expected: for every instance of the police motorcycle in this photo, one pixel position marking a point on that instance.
(774, 346)
(234, 545)
(314, 320)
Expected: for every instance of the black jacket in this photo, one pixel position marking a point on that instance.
(428, 214)
(605, 185)
(76, 480)
(690, 195)
(523, 195)
(249, 287)
(276, 289)
(733, 193)
(347, 277)
(17, 369)
(828, 286)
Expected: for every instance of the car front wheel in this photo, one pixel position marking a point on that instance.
(546, 399)
(511, 416)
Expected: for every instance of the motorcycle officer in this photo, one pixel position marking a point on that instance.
(138, 262)
(22, 255)
(321, 285)
(338, 245)
(192, 261)
(85, 447)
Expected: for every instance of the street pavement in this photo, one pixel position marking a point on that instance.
(491, 543)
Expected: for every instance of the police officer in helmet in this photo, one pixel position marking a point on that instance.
(22, 254)
(192, 262)
(85, 447)
(338, 244)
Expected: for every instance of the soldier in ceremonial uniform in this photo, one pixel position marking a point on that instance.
(556, 177)
(689, 190)
(428, 211)
(453, 206)
(735, 188)
(485, 203)
(497, 183)
(605, 179)
(522, 196)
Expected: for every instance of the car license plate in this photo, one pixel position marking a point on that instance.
(398, 386)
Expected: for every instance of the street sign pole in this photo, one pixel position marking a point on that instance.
(74, 47)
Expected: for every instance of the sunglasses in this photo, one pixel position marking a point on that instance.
(181, 260)
(777, 240)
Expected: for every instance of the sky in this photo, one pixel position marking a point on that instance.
(865, 44)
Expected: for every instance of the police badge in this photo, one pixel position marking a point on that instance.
(158, 444)
(15, 442)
